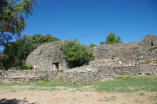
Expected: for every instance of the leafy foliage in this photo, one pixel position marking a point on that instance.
(24, 67)
(111, 38)
(12, 14)
(92, 45)
(76, 54)
(17, 52)
(102, 42)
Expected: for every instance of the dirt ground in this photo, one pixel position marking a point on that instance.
(45, 95)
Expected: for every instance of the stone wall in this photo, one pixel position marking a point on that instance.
(27, 75)
(80, 74)
(144, 52)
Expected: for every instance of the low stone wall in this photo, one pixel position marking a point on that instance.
(136, 70)
(80, 74)
(27, 75)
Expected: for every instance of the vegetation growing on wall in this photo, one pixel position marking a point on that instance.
(76, 54)
(16, 52)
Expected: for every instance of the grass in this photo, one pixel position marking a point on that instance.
(14, 84)
(119, 84)
(128, 84)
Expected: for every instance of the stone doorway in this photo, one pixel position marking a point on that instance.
(56, 65)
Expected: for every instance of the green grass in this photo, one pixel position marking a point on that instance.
(14, 84)
(128, 84)
(119, 84)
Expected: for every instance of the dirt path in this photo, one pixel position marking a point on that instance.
(28, 95)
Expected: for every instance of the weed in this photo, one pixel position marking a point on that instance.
(142, 94)
(112, 98)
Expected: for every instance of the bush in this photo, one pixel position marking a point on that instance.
(102, 42)
(24, 67)
(76, 54)
(92, 45)
(111, 38)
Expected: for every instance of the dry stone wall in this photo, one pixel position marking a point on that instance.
(128, 53)
(138, 58)
(80, 74)
(27, 75)
(133, 53)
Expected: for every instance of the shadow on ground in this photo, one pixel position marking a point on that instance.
(15, 101)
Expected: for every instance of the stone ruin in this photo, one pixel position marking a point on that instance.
(47, 57)
(134, 58)
(129, 54)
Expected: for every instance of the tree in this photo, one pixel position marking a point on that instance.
(111, 38)
(76, 54)
(17, 52)
(92, 45)
(12, 14)
(118, 39)
(102, 42)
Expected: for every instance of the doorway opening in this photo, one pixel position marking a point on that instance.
(56, 65)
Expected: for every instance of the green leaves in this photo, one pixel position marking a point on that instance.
(12, 14)
(18, 51)
(111, 38)
(76, 54)
(102, 42)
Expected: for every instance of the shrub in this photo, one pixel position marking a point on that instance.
(91, 45)
(24, 67)
(102, 42)
(111, 38)
(76, 54)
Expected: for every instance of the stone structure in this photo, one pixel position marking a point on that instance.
(144, 52)
(47, 57)
(138, 58)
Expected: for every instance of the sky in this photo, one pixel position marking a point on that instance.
(90, 21)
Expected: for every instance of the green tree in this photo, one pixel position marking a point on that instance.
(76, 54)
(111, 38)
(102, 42)
(17, 52)
(118, 39)
(92, 45)
(12, 18)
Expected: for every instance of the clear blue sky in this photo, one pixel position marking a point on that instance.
(90, 21)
